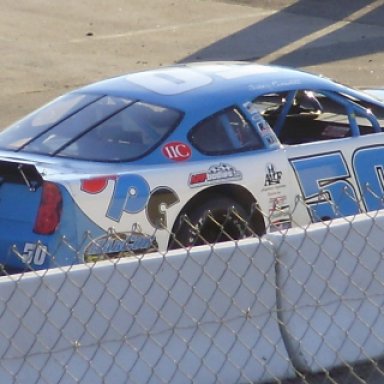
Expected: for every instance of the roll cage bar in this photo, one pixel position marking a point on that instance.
(351, 107)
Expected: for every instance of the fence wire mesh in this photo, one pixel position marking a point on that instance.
(300, 305)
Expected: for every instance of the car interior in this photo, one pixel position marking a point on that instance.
(305, 116)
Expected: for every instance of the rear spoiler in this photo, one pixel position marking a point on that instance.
(20, 173)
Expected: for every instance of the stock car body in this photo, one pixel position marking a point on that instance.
(136, 163)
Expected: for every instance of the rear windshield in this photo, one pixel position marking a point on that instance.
(92, 127)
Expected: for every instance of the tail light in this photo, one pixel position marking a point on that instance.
(49, 213)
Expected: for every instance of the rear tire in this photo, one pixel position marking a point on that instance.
(217, 219)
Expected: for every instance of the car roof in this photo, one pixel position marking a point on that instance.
(186, 86)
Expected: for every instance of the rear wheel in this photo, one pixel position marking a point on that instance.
(217, 219)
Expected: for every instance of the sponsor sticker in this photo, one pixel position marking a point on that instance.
(263, 127)
(215, 173)
(96, 185)
(113, 244)
(177, 151)
(272, 176)
(279, 213)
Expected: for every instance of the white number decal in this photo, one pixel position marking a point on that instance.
(34, 253)
(178, 80)
(170, 82)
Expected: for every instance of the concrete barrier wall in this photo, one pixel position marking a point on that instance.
(247, 312)
(330, 292)
(208, 315)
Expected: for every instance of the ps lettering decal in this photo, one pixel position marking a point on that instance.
(132, 195)
(177, 151)
(161, 199)
(96, 185)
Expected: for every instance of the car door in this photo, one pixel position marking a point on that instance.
(335, 148)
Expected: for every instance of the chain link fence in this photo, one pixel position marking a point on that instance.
(303, 305)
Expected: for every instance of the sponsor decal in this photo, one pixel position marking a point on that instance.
(96, 185)
(279, 213)
(252, 109)
(117, 244)
(161, 199)
(263, 126)
(177, 151)
(270, 139)
(266, 132)
(132, 194)
(214, 174)
(272, 177)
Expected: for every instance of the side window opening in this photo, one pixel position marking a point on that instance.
(369, 117)
(307, 116)
(223, 133)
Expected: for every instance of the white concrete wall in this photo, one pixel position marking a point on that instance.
(310, 299)
(201, 316)
(330, 281)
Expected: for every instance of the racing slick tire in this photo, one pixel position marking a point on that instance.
(217, 219)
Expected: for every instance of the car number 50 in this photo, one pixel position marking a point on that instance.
(34, 253)
(325, 182)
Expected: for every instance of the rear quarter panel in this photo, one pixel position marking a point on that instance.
(153, 197)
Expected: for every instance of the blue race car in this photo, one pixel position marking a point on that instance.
(185, 155)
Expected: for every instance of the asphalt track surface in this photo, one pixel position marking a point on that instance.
(48, 48)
